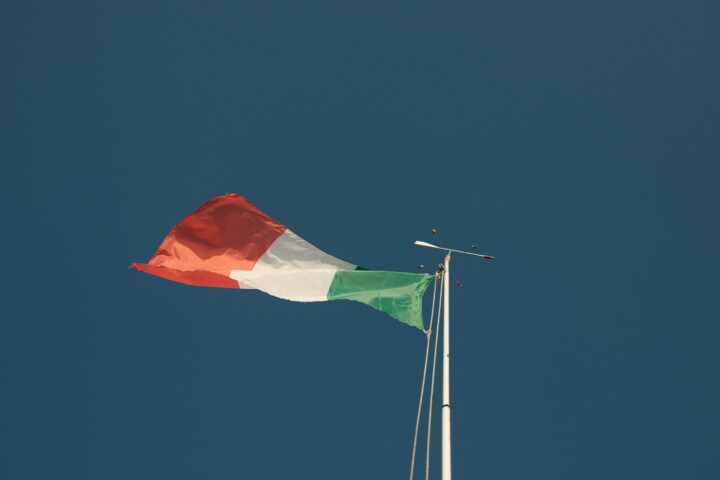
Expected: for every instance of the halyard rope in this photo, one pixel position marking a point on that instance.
(432, 381)
(428, 333)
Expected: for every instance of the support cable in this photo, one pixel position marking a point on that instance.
(432, 380)
(428, 334)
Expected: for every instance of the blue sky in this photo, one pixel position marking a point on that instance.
(576, 141)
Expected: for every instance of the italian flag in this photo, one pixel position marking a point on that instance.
(228, 242)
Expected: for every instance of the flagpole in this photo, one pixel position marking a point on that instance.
(446, 461)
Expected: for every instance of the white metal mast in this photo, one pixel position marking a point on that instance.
(446, 456)
(446, 459)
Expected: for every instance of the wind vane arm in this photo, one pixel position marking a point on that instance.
(420, 243)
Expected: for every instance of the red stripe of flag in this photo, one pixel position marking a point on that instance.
(226, 233)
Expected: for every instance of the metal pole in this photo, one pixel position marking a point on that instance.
(446, 463)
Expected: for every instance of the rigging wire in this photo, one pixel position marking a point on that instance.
(432, 377)
(428, 334)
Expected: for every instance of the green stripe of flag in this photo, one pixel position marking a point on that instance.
(394, 293)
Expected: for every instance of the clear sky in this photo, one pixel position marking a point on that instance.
(576, 141)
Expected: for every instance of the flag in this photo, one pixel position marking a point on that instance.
(228, 242)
